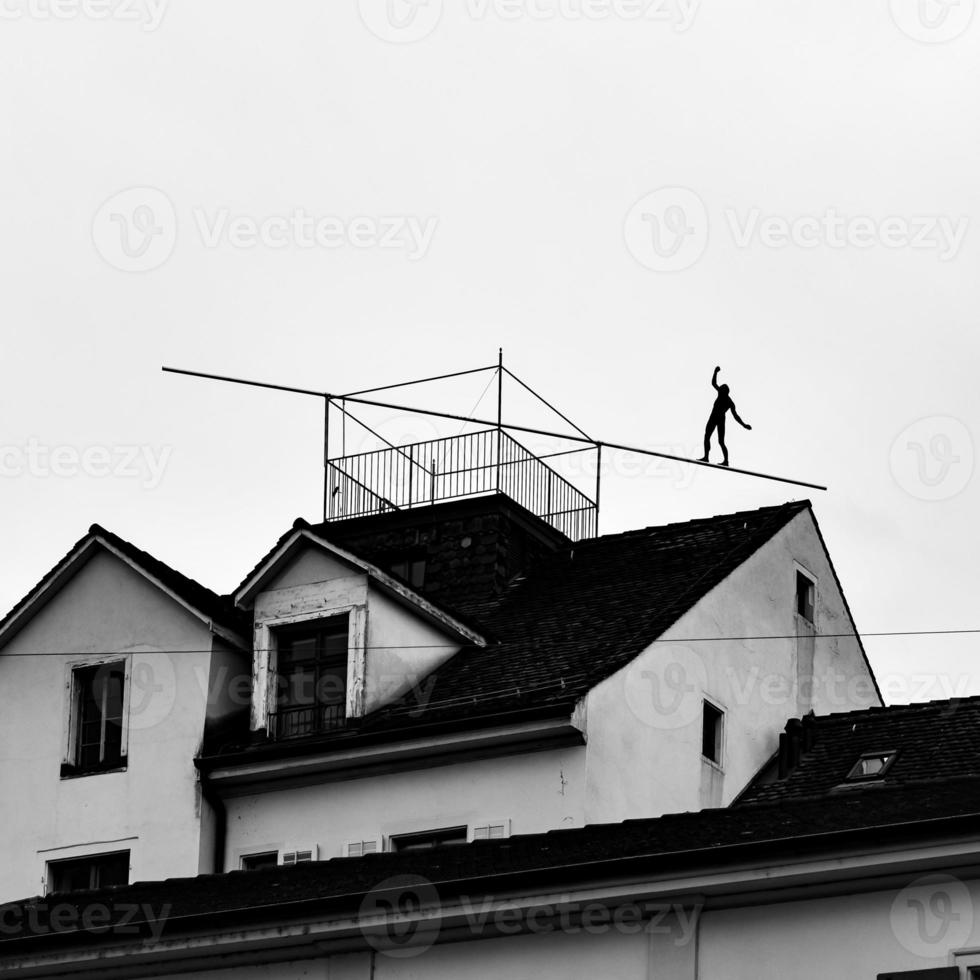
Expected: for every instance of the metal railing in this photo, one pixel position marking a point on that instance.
(484, 462)
(307, 719)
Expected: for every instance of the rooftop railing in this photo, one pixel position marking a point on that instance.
(478, 463)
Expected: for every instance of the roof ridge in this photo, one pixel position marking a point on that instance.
(639, 532)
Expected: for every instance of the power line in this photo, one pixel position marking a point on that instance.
(494, 646)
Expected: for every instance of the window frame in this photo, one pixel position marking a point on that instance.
(70, 767)
(462, 832)
(889, 755)
(242, 858)
(801, 573)
(51, 866)
(266, 687)
(720, 728)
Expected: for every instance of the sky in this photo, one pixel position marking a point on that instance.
(621, 194)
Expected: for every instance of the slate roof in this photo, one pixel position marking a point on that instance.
(583, 613)
(935, 741)
(220, 609)
(677, 842)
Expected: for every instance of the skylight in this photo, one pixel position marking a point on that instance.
(872, 765)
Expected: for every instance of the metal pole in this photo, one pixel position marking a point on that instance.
(326, 454)
(516, 428)
(598, 482)
(500, 408)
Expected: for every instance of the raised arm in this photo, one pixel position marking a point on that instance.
(738, 418)
(714, 378)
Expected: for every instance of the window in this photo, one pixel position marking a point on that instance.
(410, 569)
(312, 678)
(94, 871)
(428, 839)
(872, 765)
(359, 848)
(804, 596)
(96, 719)
(711, 732)
(300, 855)
(254, 862)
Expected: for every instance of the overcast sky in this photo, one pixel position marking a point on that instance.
(621, 194)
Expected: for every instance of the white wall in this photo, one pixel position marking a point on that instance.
(644, 723)
(536, 791)
(154, 807)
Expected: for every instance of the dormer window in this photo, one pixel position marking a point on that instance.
(312, 677)
(871, 765)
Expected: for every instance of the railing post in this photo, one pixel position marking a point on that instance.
(411, 472)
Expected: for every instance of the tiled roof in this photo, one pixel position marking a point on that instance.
(218, 608)
(934, 741)
(686, 841)
(581, 614)
(586, 611)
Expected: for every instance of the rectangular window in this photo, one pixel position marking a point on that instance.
(96, 721)
(94, 871)
(872, 765)
(711, 732)
(359, 848)
(300, 855)
(254, 862)
(428, 839)
(410, 569)
(804, 596)
(312, 678)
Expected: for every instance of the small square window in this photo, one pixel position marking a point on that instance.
(410, 569)
(872, 765)
(428, 839)
(254, 862)
(94, 871)
(712, 723)
(804, 596)
(95, 740)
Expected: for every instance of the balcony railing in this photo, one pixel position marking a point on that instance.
(484, 462)
(307, 719)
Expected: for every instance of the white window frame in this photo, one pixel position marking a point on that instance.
(799, 569)
(294, 851)
(70, 711)
(376, 844)
(488, 825)
(722, 741)
(266, 646)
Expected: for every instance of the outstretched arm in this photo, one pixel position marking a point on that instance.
(714, 378)
(738, 418)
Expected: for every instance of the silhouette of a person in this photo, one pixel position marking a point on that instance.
(717, 418)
